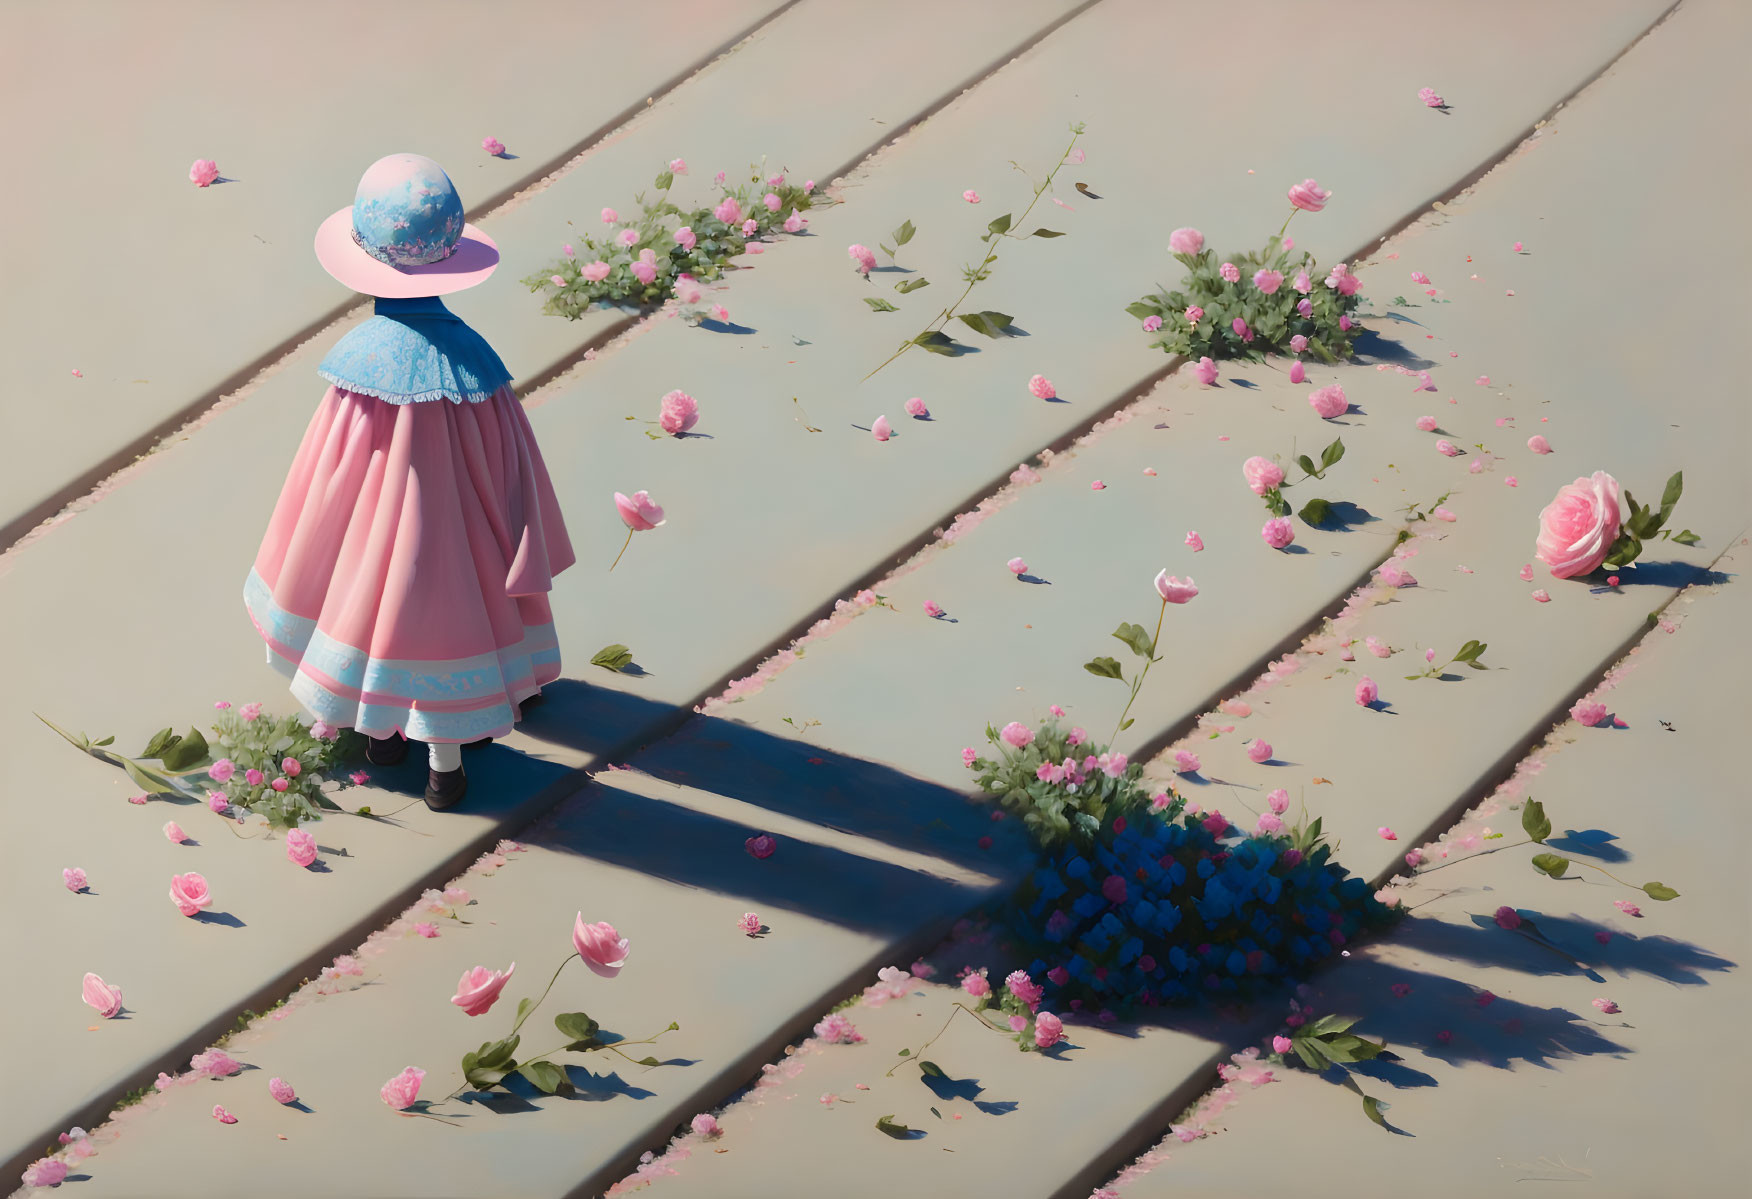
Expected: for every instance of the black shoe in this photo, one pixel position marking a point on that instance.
(445, 788)
(386, 751)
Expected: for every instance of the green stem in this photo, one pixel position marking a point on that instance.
(1455, 861)
(1606, 872)
(531, 1011)
(1293, 211)
(1141, 676)
(960, 1007)
(623, 550)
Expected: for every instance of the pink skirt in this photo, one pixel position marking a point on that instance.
(402, 584)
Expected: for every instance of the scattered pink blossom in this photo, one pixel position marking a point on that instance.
(1298, 373)
(1269, 822)
(881, 430)
(1195, 541)
(1097, 485)
(1447, 447)
(300, 847)
(1507, 917)
(1206, 371)
(403, 1090)
(1627, 907)
(426, 929)
(1367, 691)
(720, 313)
(1278, 532)
(282, 1091)
(836, 1029)
(1041, 388)
(862, 256)
(215, 1063)
(1186, 762)
(1152, 323)
(749, 923)
(1194, 314)
(1048, 1030)
(705, 1126)
(1017, 566)
(190, 894)
(1541, 596)
(1259, 751)
(74, 879)
(971, 196)
(106, 999)
(203, 172)
(1329, 402)
(1281, 1044)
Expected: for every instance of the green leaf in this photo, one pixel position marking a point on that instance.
(898, 1131)
(1046, 233)
(1107, 668)
(885, 249)
(613, 657)
(1143, 310)
(1309, 1053)
(1328, 1025)
(577, 1025)
(148, 779)
(906, 1053)
(1551, 864)
(1306, 463)
(1670, 497)
(649, 1061)
(186, 751)
(992, 324)
(497, 1053)
(1660, 891)
(665, 181)
(999, 227)
(1469, 651)
(545, 1075)
(937, 1113)
(1135, 637)
(525, 1006)
(905, 233)
(878, 304)
(1535, 821)
(1315, 344)
(910, 285)
(1687, 537)
(1127, 723)
(932, 1069)
(484, 1078)
(1373, 1108)
(1332, 453)
(110, 740)
(936, 341)
(1365, 1051)
(1315, 512)
(162, 740)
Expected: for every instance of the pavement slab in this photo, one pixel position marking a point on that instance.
(779, 570)
(293, 109)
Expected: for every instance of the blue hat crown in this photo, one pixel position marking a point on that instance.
(406, 211)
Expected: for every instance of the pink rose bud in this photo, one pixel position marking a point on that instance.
(609, 216)
(300, 847)
(1230, 272)
(1329, 402)
(1041, 388)
(1367, 691)
(1297, 373)
(282, 1091)
(1206, 371)
(1538, 444)
(203, 172)
(749, 923)
(881, 430)
(290, 767)
(479, 989)
(1281, 1045)
(1447, 447)
(1509, 918)
(1017, 566)
(281, 783)
(1278, 800)
(932, 610)
(1152, 323)
(1308, 196)
(971, 196)
(1194, 314)
(1278, 532)
(253, 777)
(1259, 751)
(916, 409)
(1386, 834)
(173, 833)
(107, 1000)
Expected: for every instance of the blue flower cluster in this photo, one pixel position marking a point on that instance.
(1159, 911)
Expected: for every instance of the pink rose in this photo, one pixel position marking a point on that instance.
(173, 833)
(479, 989)
(401, 1091)
(1230, 272)
(1329, 402)
(863, 257)
(1447, 448)
(880, 429)
(1588, 714)
(222, 770)
(1577, 529)
(976, 985)
(74, 878)
(493, 146)
(1308, 196)
(1298, 373)
(1206, 371)
(794, 223)
(189, 893)
(730, 212)
(603, 949)
(300, 847)
(1279, 800)
(644, 272)
(678, 166)
(250, 712)
(1269, 822)
(1278, 532)
(772, 202)
(916, 409)
(1171, 589)
(1017, 734)
(596, 271)
(1048, 1030)
(1041, 388)
(1152, 324)
(1017, 566)
(1268, 281)
(1298, 343)
(48, 1171)
(680, 412)
(1538, 444)
(749, 923)
(1367, 691)
(1304, 285)
(638, 512)
(1427, 423)
(282, 1091)
(1509, 918)
(686, 238)
(253, 777)
(705, 1126)
(281, 783)
(203, 172)
(1194, 314)
(1186, 763)
(100, 995)
(1259, 751)
(1262, 474)
(290, 768)
(1281, 1045)
(1185, 241)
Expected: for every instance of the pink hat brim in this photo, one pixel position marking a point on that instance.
(476, 257)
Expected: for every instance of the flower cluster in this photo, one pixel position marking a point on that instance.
(1056, 781)
(272, 767)
(1248, 304)
(1265, 478)
(667, 251)
(1161, 910)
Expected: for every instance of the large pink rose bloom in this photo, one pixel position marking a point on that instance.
(480, 988)
(1309, 196)
(603, 949)
(638, 512)
(1577, 529)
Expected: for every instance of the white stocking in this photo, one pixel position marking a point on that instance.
(444, 757)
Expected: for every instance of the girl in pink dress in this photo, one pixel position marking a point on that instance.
(403, 581)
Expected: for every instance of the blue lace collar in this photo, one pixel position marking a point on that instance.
(412, 351)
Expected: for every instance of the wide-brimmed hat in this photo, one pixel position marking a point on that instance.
(404, 235)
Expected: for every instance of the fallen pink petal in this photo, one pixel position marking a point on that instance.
(1607, 1007)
